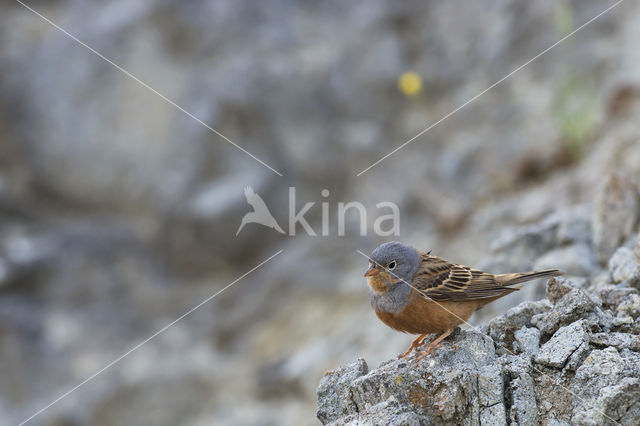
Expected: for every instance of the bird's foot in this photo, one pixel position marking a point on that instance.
(430, 350)
(415, 345)
(434, 345)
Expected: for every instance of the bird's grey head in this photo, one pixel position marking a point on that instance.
(400, 262)
(399, 259)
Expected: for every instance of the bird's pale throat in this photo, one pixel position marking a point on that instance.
(380, 283)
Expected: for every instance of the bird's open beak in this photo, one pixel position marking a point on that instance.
(371, 271)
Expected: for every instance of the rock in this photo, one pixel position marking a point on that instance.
(493, 415)
(625, 267)
(570, 226)
(624, 303)
(619, 402)
(615, 214)
(557, 288)
(580, 375)
(526, 243)
(520, 388)
(630, 305)
(524, 408)
(490, 386)
(581, 282)
(617, 340)
(600, 280)
(387, 412)
(571, 307)
(607, 382)
(578, 356)
(562, 345)
(613, 296)
(578, 259)
(502, 329)
(574, 226)
(553, 421)
(435, 389)
(334, 392)
(528, 339)
(623, 322)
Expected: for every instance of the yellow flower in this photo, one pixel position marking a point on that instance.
(410, 83)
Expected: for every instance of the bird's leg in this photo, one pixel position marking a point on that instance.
(435, 344)
(416, 343)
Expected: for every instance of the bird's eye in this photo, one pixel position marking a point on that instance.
(392, 265)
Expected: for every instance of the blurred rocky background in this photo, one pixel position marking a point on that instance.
(118, 212)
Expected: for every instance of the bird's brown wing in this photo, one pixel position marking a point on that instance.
(441, 280)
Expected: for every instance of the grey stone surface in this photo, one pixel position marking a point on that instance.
(434, 389)
(617, 340)
(553, 421)
(578, 259)
(502, 329)
(615, 214)
(625, 267)
(630, 306)
(574, 225)
(578, 356)
(528, 340)
(387, 412)
(557, 288)
(334, 391)
(571, 307)
(494, 415)
(524, 406)
(615, 296)
(619, 402)
(490, 385)
(566, 233)
(608, 383)
(563, 343)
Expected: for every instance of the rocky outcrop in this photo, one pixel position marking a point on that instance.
(573, 358)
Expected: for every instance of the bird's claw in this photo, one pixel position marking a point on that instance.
(430, 350)
(415, 345)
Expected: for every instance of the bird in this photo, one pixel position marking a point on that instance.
(419, 293)
(260, 213)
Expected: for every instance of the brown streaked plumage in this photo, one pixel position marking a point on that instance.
(422, 294)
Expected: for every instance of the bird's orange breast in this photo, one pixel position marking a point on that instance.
(424, 316)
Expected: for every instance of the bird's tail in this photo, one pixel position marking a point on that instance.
(517, 278)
